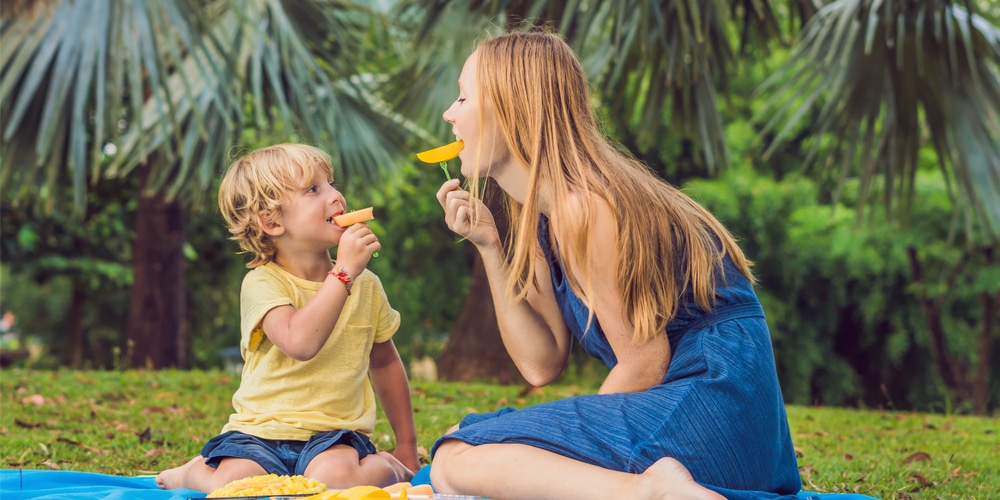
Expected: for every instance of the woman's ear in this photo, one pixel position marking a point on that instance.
(268, 223)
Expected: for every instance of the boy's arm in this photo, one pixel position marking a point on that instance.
(393, 391)
(302, 333)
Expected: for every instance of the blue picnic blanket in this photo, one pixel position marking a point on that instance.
(16, 484)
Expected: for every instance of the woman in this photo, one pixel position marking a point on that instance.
(647, 280)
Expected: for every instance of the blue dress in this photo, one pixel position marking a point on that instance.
(718, 411)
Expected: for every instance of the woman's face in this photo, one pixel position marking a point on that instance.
(484, 146)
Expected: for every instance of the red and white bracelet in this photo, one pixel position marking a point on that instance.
(341, 274)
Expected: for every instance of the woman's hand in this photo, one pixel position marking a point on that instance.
(458, 208)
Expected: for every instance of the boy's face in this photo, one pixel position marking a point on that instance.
(307, 215)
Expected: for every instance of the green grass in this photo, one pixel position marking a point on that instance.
(140, 422)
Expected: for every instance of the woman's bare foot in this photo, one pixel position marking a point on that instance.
(174, 478)
(668, 479)
(403, 473)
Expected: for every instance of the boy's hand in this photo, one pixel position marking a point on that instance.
(356, 247)
(407, 455)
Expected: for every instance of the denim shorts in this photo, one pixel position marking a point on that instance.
(281, 457)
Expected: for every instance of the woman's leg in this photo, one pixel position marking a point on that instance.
(522, 471)
(339, 467)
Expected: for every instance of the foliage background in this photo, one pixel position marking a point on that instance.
(836, 283)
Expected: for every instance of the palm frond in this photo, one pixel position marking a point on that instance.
(656, 65)
(665, 68)
(426, 81)
(758, 21)
(73, 72)
(886, 76)
(299, 61)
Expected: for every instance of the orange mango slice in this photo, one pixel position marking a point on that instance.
(443, 153)
(398, 491)
(398, 487)
(358, 493)
(354, 217)
(420, 489)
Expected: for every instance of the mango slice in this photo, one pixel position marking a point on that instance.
(443, 153)
(354, 217)
(354, 493)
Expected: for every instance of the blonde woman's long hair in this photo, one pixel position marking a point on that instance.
(668, 243)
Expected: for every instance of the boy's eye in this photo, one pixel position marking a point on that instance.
(311, 189)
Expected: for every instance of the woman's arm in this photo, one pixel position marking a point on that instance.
(641, 365)
(393, 391)
(533, 330)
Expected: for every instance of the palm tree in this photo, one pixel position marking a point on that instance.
(889, 76)
(161, 91)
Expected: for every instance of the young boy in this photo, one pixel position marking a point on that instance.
(312, 330)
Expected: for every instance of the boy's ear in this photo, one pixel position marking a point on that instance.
(268, 224)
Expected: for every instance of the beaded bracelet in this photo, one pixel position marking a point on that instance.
(341, 274)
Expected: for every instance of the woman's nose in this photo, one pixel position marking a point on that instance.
(448, 117)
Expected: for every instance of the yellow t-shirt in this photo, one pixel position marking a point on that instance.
(282, 398)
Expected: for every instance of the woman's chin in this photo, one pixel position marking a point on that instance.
(465, 169)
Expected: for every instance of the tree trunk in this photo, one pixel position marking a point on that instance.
(156, 309)
(948, 367)
(75, 337)
(74, 325)
(991, 311)
(475, 350)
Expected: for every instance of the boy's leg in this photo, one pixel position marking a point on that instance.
(201, 477)
(174, 478)
(338, 467)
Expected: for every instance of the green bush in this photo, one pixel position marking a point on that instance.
(837, 287)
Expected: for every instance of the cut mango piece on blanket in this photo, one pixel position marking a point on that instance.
(420, 489)
(443, 153)
(268, 485)
(354, 493)
(398, 487)
(405, 490)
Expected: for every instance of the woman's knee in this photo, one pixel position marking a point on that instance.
(447, 458)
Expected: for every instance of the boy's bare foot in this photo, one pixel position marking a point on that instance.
(403, 473)
(174, 478)
(668, 479)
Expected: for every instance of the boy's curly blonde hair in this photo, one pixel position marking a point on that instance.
(256, 183)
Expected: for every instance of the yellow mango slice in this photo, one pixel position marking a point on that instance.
(361, 493)
(443, 153)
